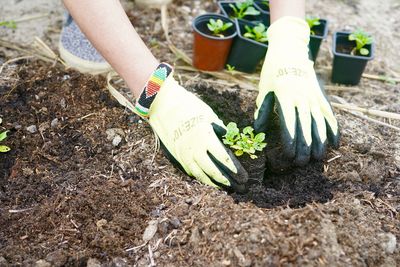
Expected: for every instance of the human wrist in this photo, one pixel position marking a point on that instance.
(283, 8)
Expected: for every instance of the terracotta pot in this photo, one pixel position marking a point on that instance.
(209, 51)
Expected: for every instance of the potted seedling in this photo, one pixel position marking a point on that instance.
(318, 32)
(249, 47)
(213, 36)
(248, 147)
(351, 53)
(263, 7)
(244, 9)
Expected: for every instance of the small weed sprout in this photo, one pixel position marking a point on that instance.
(244, 8)
(217, 27)
(257, 33)
(312, 22)
(3, 135)
(362, 39)
(245, 142)
(3, 148)
(11, 24)
(230, 69)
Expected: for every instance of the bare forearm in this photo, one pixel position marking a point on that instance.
(108, 28)
(282, 8)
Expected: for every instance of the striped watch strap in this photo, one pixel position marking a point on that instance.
(152, 88)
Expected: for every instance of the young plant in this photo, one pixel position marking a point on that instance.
(3, 135)
(245, 142)
(230, 69)
(257, 33)
(362, 39)
(312, 21)
(11, 24)
(244, 8)
(4, 148)
(217, 27)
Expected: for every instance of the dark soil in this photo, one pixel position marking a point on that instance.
(67, 195)
(318, 30)
(344, 49)
(54, 173)
(347, 49)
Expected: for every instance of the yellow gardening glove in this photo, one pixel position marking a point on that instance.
(184, 125)
(288, 80)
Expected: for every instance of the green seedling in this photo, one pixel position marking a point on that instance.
(154, 43)
(245, 142)
(230, 69)
(257, 33)
(362, 39)
(11, 24)
(244, 8)
(4, 148)
(3, 135)
(217, 27)
(312, 22)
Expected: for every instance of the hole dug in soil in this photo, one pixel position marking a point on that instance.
(273, 182)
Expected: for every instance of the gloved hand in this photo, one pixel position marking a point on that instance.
(184, 125)
(289, 81)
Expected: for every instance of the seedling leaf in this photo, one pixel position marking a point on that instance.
(244, 8)
(260, 137)
(3, 135)
(364, 51)
(312, 21)
(251, 11)
(230, 68)
(362, 39)
(4, 149)
(11, 24)
(239, 153)
(217, 27)
(257, 33)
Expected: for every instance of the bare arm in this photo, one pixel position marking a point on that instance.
(106, 25)
(282, 8)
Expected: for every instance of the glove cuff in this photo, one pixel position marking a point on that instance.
(152, 87)
(289, 30)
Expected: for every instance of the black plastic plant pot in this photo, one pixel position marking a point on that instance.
(227, 11)
(246, 53)
(348, 68)
(210, 52)
(264, 9)
(321, 31)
